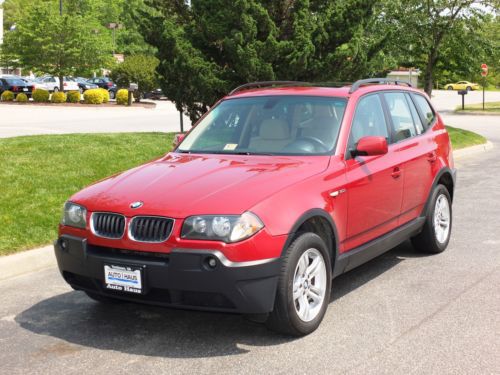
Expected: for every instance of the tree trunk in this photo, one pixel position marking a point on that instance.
(61, 83)
(429, 71)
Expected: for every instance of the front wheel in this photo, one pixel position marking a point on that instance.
(468, 88)
(450, 88)
(303, 288)
(112, 94)
(436, 232)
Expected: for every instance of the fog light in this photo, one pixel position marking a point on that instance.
(63, 244)
(212, 263)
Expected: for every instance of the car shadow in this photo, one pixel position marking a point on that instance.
(162, 332)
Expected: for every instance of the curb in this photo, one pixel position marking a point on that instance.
(26, 262)
(471, 113)
(468, 151)
(44, 257)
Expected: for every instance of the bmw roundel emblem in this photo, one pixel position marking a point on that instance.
(136, 204)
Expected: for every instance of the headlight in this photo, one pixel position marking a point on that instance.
(228, 228)
(74, 215)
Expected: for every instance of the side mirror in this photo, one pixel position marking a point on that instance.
(370, 146)
(178, 138)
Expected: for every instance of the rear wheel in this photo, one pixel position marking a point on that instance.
(468, 88)
(449, 88)
(436, 233)
(112, 94)
(303, 287)
(56, 89)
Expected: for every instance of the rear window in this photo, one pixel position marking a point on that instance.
(15, 82)
(425, 109)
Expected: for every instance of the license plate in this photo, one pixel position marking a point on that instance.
(123, 278)
(25, 89)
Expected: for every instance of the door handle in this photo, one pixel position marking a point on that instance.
(432, 157)
(396, 172)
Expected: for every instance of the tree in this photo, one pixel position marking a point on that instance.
(434, 33)
(139, 69)
(207, 47)
(59, 45)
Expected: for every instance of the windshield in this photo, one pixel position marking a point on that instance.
(281, 125)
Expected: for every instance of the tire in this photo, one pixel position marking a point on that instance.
(432, 240)
(468, 88)
(112, 94)
(101, 299)
(56, 89)
(302, 315)
(449, 88)
(80, 90)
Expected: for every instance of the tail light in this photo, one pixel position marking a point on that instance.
(110, 84)
(14, 88)
(65, 84)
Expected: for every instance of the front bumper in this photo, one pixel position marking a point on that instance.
(181, 278)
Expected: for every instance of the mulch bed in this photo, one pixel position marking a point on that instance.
(83, 105)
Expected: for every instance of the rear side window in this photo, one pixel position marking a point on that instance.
(425, 109)
(402, 121)
(369, 120)
(414, 113)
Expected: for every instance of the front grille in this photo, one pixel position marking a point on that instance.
(108, 225)
(150, 228)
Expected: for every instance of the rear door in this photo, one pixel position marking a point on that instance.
(374, 183)
(413, 146)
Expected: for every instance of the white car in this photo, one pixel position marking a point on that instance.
(51, 83)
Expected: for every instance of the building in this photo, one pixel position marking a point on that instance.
(409, 75)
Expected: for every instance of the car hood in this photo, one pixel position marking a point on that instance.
(180, 185)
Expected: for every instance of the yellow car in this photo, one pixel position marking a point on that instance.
(462, 85)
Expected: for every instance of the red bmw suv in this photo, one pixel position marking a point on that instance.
(279, 188)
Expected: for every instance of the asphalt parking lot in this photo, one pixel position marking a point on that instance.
(398, 314)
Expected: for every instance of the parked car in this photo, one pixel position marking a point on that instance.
(462, 85)
(83, 84)
(16, 85)
(51, 84)
(106, 83)
(278, 189)
(156, 94)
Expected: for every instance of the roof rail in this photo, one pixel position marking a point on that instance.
(267, 84)
(379, 81)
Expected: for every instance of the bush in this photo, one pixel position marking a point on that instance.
(122, 97)
(7, 96)
(93, 96)
(58, 97)
(21, 98)
(105, 95)
(41, 96)
(74, 97)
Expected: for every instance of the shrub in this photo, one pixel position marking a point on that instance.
(21, 98)
(7, 96)
(74, 97)
(58, 97)
(93, 96)
(122, 97)
(41, 96)
(105, 95)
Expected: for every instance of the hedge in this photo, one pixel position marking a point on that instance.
(41, 96)
(93, 96)
(105, 95)
(58, 97)
(122, 97)
(21, 98)
(7, 96)
(74, 97)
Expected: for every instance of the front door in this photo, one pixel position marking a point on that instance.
(374, 183)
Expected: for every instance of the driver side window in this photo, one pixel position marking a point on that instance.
(369, 120)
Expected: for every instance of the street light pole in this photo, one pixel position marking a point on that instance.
(60, 7)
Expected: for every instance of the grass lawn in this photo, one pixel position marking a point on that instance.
(493, 107)
(461, 138)
(39, 173)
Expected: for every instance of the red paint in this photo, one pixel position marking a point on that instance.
(366, 196)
